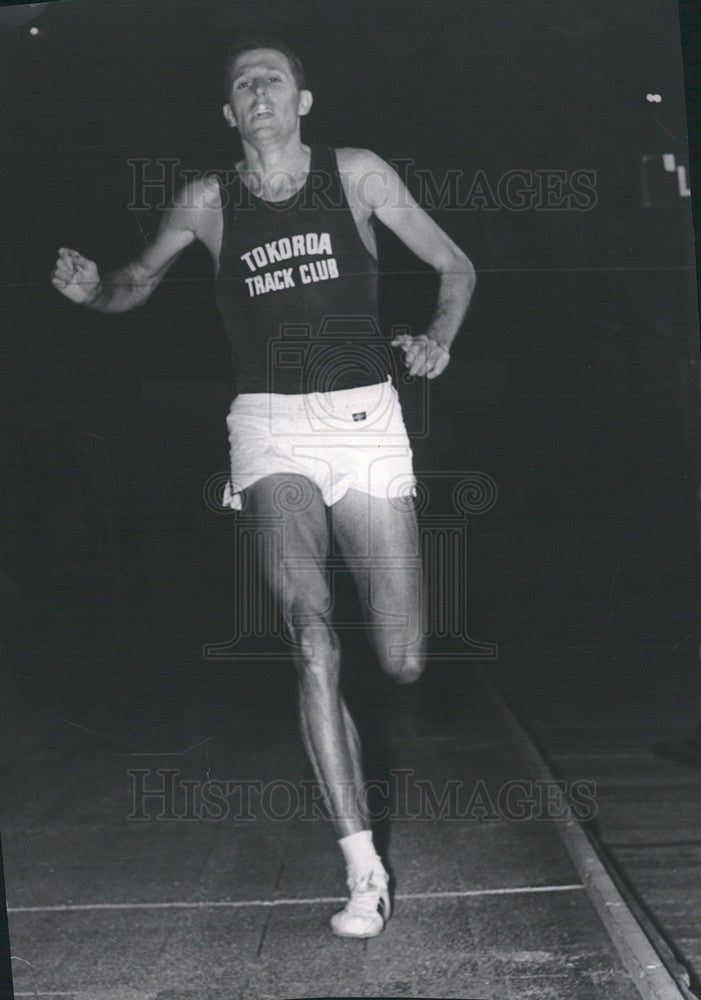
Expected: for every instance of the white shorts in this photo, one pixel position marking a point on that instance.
(348, 438)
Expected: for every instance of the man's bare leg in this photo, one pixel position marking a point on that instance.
(379, 540)
(351, 815)
(365, 527)
(297, 575)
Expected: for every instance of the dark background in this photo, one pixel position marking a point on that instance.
(574, 384)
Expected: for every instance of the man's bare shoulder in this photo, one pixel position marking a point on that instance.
(368, 180)
(358, 161)
(196, 206)
(199, 194)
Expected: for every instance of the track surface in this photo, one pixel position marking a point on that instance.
(188, 908)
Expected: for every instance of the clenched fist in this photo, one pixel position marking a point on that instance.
(76, 277)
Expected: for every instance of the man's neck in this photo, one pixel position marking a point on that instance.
(276, 169)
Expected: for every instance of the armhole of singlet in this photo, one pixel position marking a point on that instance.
(337, 174)
(224, 203)
(331, 151)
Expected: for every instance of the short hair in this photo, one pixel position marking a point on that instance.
(251, 42)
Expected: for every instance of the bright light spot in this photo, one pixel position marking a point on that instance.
(656, 98)
(33, 31)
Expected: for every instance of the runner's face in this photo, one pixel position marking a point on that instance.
(264, 97)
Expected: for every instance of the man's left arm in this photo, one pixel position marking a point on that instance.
(380, 189)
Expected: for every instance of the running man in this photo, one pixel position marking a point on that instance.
(291, 234)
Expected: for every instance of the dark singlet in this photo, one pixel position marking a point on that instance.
(297, 288)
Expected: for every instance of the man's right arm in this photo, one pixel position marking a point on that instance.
(130, 286)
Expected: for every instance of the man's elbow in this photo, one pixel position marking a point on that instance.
(458, 263)
(143, 285)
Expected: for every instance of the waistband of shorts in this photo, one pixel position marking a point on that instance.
(336, 399)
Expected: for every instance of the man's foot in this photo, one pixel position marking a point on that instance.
(368, 908)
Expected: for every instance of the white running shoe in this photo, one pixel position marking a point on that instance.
(368, 908)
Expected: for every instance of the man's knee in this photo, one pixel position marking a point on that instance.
(404, 666)
(411, 669)
(317, 649)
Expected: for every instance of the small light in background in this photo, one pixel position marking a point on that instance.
(33, 31)
(654, 98)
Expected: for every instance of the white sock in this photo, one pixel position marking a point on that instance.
(359, 850)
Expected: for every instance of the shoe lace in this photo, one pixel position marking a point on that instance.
(368, 892)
